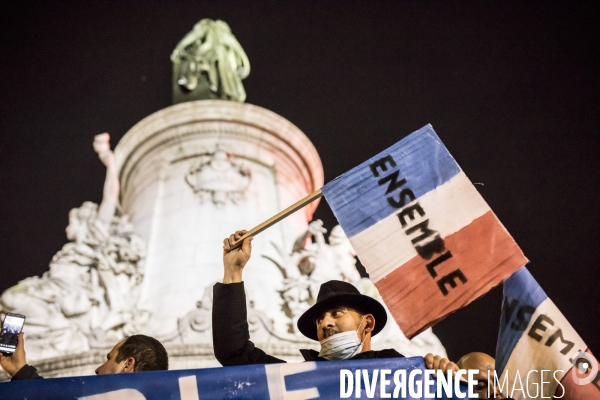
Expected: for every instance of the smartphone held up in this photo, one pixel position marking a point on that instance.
(9, 336)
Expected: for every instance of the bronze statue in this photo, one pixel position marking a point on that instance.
(209, 63)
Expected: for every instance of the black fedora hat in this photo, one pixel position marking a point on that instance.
(339, 293)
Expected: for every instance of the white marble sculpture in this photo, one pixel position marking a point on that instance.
(88, 298)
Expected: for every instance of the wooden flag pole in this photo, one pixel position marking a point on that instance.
(278, 217)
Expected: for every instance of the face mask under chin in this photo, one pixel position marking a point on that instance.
(342, 346)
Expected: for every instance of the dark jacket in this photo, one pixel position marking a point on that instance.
(231, 339)
(26, 372)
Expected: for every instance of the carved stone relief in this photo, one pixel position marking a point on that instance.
(218, 177)
(88, 297)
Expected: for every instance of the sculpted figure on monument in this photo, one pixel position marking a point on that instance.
(89, 294)
(211, 53)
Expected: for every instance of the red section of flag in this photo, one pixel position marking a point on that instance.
(483, 252)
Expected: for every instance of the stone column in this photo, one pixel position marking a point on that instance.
(195, 172)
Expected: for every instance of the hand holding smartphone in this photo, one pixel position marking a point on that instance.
(9, 336)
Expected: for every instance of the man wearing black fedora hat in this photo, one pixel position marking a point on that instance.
(342, 319)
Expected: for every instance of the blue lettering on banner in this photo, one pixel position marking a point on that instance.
(274, 381)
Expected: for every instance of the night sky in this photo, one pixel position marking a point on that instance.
(511, 88)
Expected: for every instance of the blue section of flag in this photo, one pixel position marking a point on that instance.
(359, 201)
(522, 295)
(242, 382)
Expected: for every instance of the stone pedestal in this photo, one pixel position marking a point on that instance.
(195, 172)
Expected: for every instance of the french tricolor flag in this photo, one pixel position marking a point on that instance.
(428, 240)
(534, 337)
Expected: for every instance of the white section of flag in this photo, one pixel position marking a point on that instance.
(383, 247)
(529, 355)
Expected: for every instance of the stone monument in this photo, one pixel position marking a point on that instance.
(186, 177)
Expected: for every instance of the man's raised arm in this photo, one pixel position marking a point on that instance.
(231, 339)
